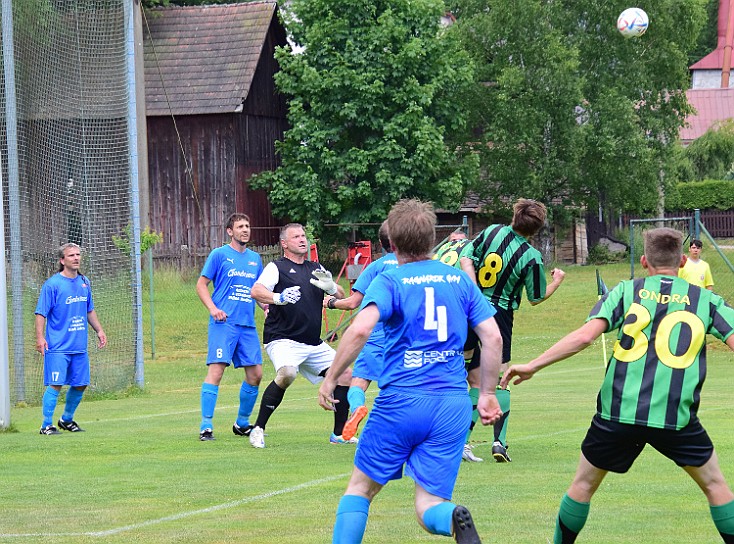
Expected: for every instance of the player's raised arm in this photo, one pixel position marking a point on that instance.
(566, 347)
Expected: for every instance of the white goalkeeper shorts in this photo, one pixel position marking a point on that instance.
(311, 361)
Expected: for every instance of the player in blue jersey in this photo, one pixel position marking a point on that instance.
(233, 269)
(369, 363)
(420, 416)
(64, 308)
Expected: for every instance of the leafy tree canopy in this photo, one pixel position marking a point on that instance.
(571, 111)
(373, 100)
(711, 156)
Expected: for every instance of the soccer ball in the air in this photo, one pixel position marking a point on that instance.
(632, 22)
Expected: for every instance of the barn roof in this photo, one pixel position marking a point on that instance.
(202, 59)
(712, 105)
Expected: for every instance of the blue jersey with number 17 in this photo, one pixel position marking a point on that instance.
(424, 307)
(65, 303)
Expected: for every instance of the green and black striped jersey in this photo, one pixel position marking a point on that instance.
(658, 365)
(449, 252)
(506, 263)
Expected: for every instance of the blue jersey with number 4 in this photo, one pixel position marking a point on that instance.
(233, 275)
(424, 307)
(65, 303)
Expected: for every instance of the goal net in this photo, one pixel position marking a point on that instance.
(637, 232)
(66, 174)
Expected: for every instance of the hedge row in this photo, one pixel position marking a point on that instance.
(707, 194)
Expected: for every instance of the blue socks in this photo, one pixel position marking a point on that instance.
(50, 398)
(209, 393)
(356, 398)
(73, 398)
(439, 519)
(248, 396)
(351, 520)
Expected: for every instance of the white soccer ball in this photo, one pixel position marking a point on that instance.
(632, 22)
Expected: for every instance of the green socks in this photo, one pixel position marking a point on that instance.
(723, 517)
(474, 396)
(571, 519)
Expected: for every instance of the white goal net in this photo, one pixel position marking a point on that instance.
(66, 174)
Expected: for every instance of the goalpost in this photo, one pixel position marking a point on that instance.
(693, 228)
(69, 157)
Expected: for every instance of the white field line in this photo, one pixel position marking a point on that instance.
(182, 515)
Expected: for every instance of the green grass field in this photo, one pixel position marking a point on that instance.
(139, 473)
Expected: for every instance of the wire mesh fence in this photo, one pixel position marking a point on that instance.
(66, 178)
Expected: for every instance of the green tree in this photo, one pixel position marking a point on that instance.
(372, 104)
(569, 109)
(524, 100)
(711, 156)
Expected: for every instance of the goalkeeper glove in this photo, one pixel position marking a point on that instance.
(291, 295)
(322, 280)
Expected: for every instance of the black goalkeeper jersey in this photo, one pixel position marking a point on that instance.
(301, 321)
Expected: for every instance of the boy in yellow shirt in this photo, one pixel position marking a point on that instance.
(696, 271)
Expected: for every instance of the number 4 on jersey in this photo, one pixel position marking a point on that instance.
(435, 316)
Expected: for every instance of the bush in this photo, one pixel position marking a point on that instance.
(600, 254)
(148, 238)
(707, 194)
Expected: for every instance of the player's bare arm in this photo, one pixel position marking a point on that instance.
(557, 276)
(491, 359)
(41, 344)
(261, 293)
(351, 302)
(97, 326)
(202, 289)
(468, 266)
(566, 347)
(351, 344)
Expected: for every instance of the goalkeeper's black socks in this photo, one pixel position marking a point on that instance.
(272, 397)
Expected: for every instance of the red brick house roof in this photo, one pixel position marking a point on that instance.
(711, 105)
(202, 59)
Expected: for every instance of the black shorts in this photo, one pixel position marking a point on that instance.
(504, 320)
(472, 343)
(614, 446)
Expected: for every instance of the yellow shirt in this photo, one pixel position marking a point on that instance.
(696, 273)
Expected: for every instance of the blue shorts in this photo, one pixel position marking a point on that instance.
(66, 369)
(423, 432)
(369, 362)
(233, 343)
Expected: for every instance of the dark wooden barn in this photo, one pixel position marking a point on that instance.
(213, 117)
